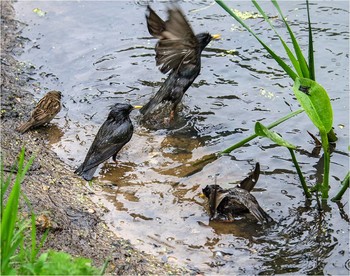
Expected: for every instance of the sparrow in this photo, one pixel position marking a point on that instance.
(46, 109)
(227, 203)
(178, 51)
(114, 133)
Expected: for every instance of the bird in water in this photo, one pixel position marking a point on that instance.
(178, 51)
(45, 110)
(225, 204)
(114, 133)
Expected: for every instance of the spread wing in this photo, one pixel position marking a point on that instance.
(177, 43)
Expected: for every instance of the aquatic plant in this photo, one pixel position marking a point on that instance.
(312, 97)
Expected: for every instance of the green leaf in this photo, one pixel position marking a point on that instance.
(316, 103)
(263, 131)
(253, 136)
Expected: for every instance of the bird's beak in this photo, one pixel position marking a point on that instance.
(201, 195)
(137, 106)
(216, 36)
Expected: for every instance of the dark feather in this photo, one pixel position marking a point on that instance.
(178, 52)
(114, 133)
(249, 182)
(232, 202)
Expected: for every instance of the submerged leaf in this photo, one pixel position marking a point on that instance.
(316, 103)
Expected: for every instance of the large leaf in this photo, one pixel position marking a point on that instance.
(316, 103)
(263, 131)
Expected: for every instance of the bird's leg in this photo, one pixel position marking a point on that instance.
(114, 157)
(172, 115)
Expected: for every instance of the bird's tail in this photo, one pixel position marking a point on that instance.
(261, 215)
(23, 128)
(153, 103)
(86, 174)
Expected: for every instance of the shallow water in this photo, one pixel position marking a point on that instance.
(99, 52)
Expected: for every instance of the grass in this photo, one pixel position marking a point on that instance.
(19, 246)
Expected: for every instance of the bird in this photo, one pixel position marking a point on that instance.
(178, 51)
(45, 110)
(114, 133)
(227, 203)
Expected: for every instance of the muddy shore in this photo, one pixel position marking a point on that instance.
(56, 194)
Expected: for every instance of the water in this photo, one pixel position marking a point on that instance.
(99, 52)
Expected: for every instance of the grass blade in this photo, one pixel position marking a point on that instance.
(281, 63)
(303, 65)
(311, 47)
(290, 54)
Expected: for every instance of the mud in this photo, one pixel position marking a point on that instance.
(57, 196)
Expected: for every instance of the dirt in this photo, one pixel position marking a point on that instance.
(58, 197)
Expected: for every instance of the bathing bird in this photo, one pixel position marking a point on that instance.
(178, 51)
(45, 110)
(114, 133)
(225, 204)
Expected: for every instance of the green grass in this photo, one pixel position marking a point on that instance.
(19, 246)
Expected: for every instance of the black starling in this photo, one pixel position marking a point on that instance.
(178, 51)
(46, 109)
(114, 133)
(227, 203)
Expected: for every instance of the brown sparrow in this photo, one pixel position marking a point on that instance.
(44, 112)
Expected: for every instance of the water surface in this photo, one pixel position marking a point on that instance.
(100, 52)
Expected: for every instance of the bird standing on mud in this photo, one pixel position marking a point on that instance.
(178, 51)
(46, 109)
(227, 203)
(114, 133)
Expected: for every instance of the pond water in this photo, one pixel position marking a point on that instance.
(100, 52)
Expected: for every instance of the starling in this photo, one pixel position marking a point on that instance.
(46, 109)
(226, 203)
(114, 133)
(178, 51)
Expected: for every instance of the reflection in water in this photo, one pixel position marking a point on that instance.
(153, 190)
(296, 238)
(55, 134)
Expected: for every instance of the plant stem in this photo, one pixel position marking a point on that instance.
(345, 185)
(327, 160)
(300, 174)
(272, 125)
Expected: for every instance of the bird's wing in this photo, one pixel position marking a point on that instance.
(215, 198)
(113, 139)
(250, 202)
(177, 43)
(249, 182)
(46, 109)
